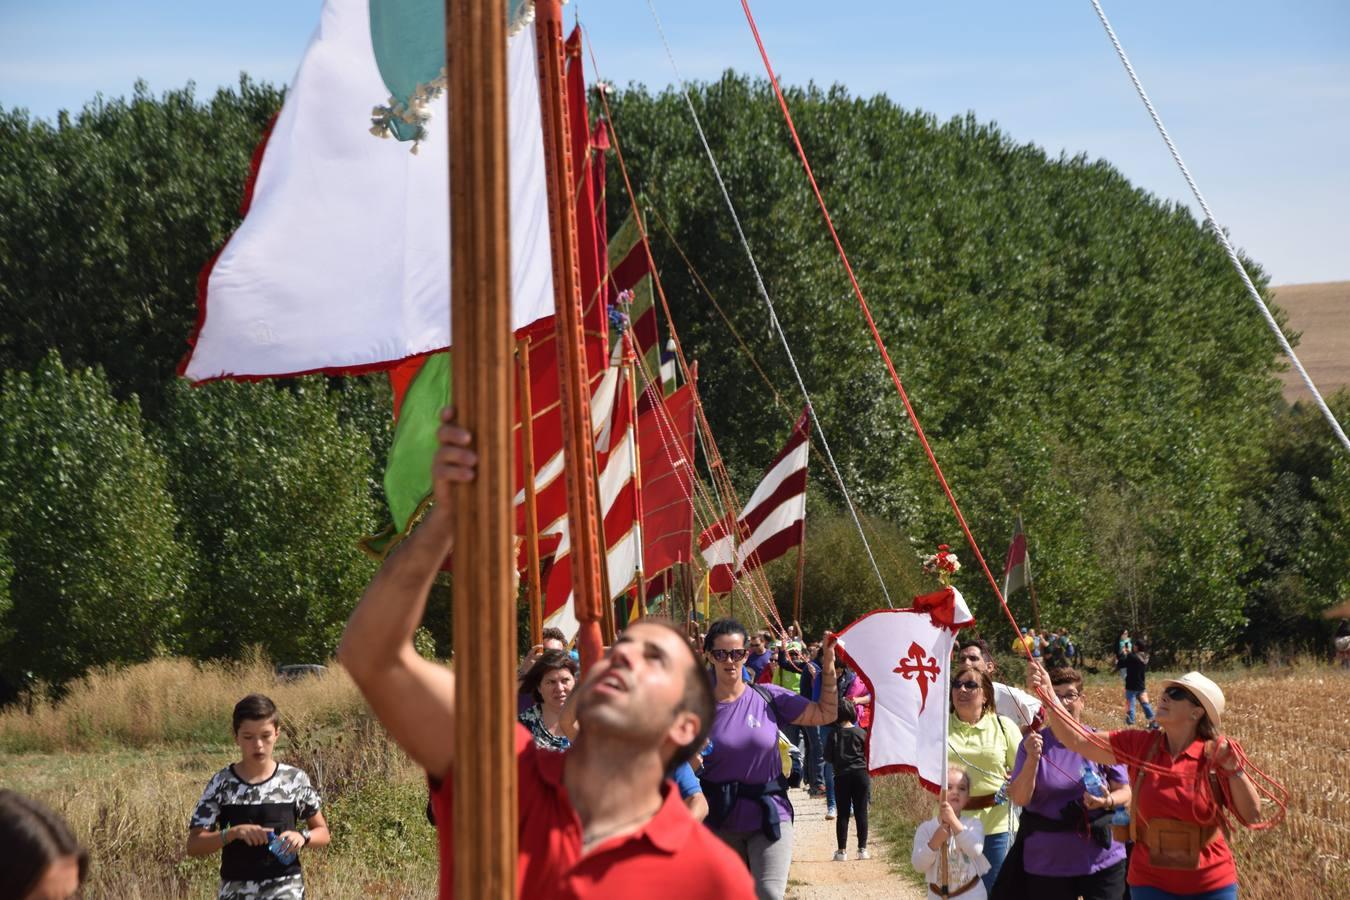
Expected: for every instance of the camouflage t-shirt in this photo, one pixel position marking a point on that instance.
(278, 804)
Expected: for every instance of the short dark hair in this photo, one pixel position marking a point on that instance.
(553, 634)
(848, 713)
(1066, 675)
(977, 643)
(1141, 645)
(698, 696)
(548, 661)
(34, 837)
(721, 627)
(255, 706)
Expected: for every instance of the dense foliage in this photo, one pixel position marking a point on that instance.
(272, 488)
(1078, 351)
(95, 569)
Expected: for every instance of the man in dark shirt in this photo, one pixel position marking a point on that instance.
(1136, 672)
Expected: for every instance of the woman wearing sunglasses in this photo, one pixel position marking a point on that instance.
(742, 776)
(1175, 818)
(1064, 847)
(985, 745)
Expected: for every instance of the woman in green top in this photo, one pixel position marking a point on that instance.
(985, 745)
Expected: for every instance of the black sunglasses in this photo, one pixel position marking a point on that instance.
(965, 685)
(1173, 692)
(733, 655)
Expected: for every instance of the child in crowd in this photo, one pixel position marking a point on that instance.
(846, 751)
(962, 839)
(251, 811)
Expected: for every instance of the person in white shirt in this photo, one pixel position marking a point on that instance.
(961, 839)
(1016, 704)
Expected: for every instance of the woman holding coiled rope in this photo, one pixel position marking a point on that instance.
(1185, 776)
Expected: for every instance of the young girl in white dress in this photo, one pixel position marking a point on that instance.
(961, 838)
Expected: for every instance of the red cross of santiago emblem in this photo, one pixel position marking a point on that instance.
(921, 668)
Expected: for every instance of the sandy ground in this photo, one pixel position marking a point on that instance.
(814, 874)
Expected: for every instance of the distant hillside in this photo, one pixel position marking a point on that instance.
(1321, 312)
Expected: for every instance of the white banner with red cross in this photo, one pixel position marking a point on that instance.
(903, 656)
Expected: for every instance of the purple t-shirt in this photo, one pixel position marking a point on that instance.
(1059, 782)
(745, 748)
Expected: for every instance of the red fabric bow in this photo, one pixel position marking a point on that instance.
(940, 606)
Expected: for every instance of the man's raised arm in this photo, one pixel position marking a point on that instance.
(414, 698)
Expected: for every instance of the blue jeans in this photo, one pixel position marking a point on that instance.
(827, 770)
(995, 850)
(1151, 893)
(1130, 697)
(814, 760)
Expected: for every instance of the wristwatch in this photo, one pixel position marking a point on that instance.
(305, 835)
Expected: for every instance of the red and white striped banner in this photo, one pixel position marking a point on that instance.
(771, 523)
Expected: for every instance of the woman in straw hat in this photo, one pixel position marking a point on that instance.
(1176, 816)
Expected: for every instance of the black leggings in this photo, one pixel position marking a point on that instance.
(852, 793)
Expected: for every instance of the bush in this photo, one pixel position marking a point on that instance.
(96, 571)
(274, 490)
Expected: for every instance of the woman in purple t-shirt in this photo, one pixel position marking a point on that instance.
(1066, 845)
(742, 777)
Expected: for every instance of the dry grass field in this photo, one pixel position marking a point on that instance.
(125, 757)
(1321, 312)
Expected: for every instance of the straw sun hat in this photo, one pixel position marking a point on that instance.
(1204, 690)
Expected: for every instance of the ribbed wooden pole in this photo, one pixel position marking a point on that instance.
(575, 406)
(484, 608)
(534, 585)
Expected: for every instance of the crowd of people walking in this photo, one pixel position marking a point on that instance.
(668, 764)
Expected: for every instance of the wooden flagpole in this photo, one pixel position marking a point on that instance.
(484, 605)
(588, 553)
(801, 573)
(630, 363)
(533, 582)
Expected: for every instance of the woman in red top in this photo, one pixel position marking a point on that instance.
(1180, 850)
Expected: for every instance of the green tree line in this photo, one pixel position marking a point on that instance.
(1079, 351)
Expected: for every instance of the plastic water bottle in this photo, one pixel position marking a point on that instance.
(1092, 782)
(278, 848)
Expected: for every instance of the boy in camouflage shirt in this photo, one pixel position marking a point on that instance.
(244, 804)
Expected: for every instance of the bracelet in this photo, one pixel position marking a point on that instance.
(305, 835)
(224, 835)
(1235, 773)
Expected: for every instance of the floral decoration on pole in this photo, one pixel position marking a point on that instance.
(943, 564)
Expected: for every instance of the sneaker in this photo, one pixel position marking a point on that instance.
(831, 814)
(863, 854)
(841, 856)
(817, 790)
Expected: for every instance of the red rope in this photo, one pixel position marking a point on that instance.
(872, 325)
(1279, 795)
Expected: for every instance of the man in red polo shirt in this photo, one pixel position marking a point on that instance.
(598, 821)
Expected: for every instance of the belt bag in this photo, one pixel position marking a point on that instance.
(982, 801)
(1173, 844)
(937, 889)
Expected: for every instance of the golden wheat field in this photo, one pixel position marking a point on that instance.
(126, 755)
(1294, 723)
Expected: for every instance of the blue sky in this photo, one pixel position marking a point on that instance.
(1256, 94)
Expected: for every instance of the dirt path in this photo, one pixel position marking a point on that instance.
(815, 875)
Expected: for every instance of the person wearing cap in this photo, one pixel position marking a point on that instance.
(1179, 846)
